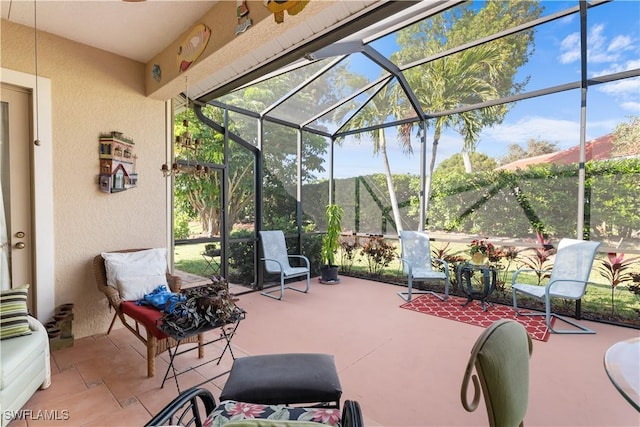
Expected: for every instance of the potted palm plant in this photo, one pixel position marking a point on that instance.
(330, 244)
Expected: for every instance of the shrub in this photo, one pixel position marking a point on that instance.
(348, 251)
(241, 257)
(378, 253)
(181, 226)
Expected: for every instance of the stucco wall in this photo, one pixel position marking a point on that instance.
(92, 92)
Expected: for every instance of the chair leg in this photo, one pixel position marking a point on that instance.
(580, 329)
(548, 314)
(268, 293)
(515, 302)
(200, 346)
(152, 347)
(304, 291)
(283, 287)
(410, 291)
(113, 321)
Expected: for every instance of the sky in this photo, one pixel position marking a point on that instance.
(614, 46)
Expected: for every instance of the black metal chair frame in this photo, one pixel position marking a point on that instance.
(187, 410)
(184, 410)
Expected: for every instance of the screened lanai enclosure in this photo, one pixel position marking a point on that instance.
(517, 122)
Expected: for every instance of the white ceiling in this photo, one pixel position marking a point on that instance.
(136, 30)
(141, 29)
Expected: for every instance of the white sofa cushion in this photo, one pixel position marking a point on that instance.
(17, 355)
(24, 367)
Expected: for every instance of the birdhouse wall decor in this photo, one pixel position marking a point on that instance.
(117, 163)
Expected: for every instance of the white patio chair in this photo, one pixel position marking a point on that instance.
(569, 279)
(416, 263)
(276, 261)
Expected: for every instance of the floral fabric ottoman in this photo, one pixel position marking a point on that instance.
(231, 411)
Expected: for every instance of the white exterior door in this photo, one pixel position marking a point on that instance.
(15, 175)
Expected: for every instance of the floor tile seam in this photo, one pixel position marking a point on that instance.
(55, 354)
(61, 397)
(118, 347)
(79, 395)
(95, 417)
(118, 402)
(101, 381)
(151, 414)
(365, 355)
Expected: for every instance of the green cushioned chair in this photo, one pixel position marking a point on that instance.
(501, 361)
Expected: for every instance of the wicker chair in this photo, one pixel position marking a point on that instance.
(136, 318)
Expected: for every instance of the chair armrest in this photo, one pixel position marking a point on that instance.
(184, 410)
(306, 260)
(274, 260)
(554, 282)
(444, 263)
(523, 270)
(112, 295)
(174, 282)
(35, 325)
(409, 266)
(100, 275)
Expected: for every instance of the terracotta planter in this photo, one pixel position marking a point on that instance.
(53, 332)
(65, 308)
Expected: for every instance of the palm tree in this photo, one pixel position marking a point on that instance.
(451, 82)
(384, 104)
(485, 72)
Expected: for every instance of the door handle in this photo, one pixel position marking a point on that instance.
(20, 245)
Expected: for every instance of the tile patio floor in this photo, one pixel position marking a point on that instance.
(405, 368)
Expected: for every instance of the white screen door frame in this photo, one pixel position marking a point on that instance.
(43, 230)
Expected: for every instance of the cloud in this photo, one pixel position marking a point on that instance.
(600, 48)
(570, 46)
(623, 92)
(621, 87)
(633, 64)
(620, 43)
(631, 106)
(566, 20)
(564, 132)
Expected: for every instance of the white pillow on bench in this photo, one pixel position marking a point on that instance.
(135, 274)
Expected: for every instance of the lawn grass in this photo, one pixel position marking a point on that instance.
(187, 258)
(596, 304)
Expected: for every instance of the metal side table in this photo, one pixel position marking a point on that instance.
(477, 289)
(227, 331)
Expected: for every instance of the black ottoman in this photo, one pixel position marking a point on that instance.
(284, 379)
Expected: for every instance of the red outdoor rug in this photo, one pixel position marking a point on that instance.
(473, 314)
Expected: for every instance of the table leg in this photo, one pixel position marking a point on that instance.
(226, 334)
(171, 366)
